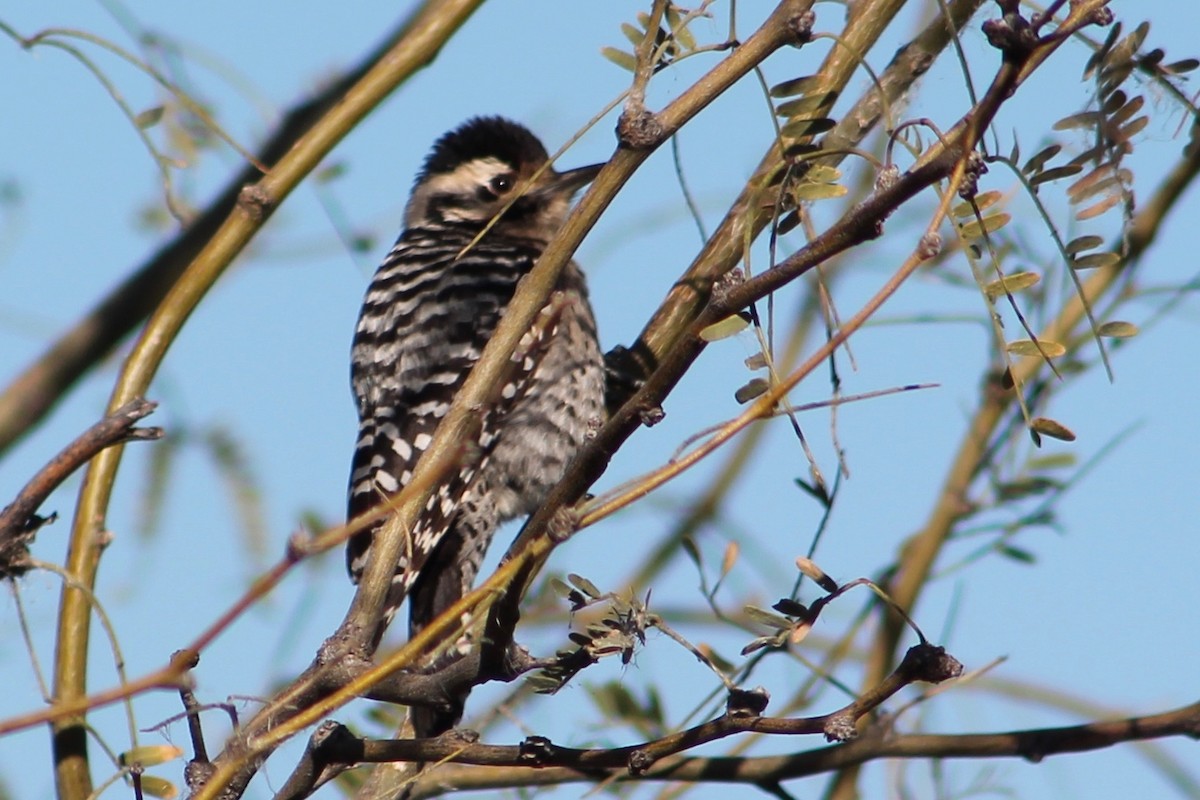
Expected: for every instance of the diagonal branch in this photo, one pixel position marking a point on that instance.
(19, 522)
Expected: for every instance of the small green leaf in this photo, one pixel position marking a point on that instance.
(977, 228)
(1096, 260)
(1017, 554)
(155, 786)
(725, 328)
(719, 661)
(680, 32)
(982, 202)
(758, 644)
(1133, 128)
(149, 118)
(1125, 111)
(795, 86)
(584, 585)
(750, 390)
(619, 57)
(1082, 243)
(1052, 461)
(1026, 487)
(1084, 119)
(1041, 158)
(150, 755)
(1038, 349)
(806, 105)
(801, 128)
(1051, 428)
(1055, 173)
(1016, 282)
(1179, 67)
(1118, 330)
(330, 172)
(822, 173)
(1103, 180)
(812, 192)
(632, 33)
(764, 617)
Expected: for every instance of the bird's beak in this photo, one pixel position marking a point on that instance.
(573, 180)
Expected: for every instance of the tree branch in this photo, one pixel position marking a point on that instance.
(877, 743)
(329, 748)
(19, 522)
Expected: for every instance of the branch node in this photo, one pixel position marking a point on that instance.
(185, 660)
(801, 27)
(651, 415)
(930, 246)
(929, 663)
(976, 168)
(196, 774)
(1011, 34)
(747, 702)
(840, 727)
(888, 177)
(624, 374)
(151, 434)
(535, 751)
(461, 736)
(639, 130)
(639, 761)
(254, 201)
(1103, 17)
(562, 525)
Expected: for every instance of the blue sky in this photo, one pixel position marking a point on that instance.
(1105, 613)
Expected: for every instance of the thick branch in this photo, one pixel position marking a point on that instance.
(923, 663)
(1031, 745)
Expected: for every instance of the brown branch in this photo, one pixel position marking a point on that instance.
(19, 522)
(330, 748)
(1031, 745)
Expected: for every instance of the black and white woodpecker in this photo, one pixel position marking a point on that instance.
(483, 208)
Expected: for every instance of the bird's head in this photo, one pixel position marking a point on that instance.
(491, 167)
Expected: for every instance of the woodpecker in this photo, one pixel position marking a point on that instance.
(483, 208)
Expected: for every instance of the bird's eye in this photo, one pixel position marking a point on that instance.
(501, 183)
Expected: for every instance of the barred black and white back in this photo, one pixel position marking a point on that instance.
(430, 310)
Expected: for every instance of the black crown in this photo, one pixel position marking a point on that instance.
(483, 137)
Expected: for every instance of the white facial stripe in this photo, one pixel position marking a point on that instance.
(470, 175)
(462, 182)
